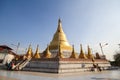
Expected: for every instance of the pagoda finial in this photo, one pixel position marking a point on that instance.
(37, 53)
(59, 29)
(73, 55)
(82, 55)
(59, 20)
(29, 52)
(47, 53)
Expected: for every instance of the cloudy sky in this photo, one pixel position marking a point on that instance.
(87, 22)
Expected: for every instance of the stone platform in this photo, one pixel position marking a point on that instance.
(64, 65)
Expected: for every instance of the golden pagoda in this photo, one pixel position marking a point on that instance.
(47, 53)
(59, 54)
(29, 52)
(82, 55)
(60, 38)
(90, 56)
(73, 55)
(37, 53)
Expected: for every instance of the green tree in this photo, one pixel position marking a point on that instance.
(117, 58)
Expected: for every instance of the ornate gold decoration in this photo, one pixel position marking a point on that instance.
(37, 53)
(82, 55)
(60, 38)
(73, 55)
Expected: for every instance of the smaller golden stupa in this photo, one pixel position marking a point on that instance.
(90, 56)
(37, 53)
(47, 53)
(73, 55)
(29, 52)
(59, 54)
(82, 55)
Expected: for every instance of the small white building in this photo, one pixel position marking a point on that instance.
(4, 50)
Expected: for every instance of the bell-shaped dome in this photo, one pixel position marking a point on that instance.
(59, 38)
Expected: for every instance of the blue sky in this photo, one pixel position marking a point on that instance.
(84, 22)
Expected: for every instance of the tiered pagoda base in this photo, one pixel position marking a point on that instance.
(64, 65)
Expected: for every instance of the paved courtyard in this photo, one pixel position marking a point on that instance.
(21, 75)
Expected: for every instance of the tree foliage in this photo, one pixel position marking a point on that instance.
(117, 58)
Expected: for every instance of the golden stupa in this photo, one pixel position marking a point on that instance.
(47, 53)
(82, 55)
(59, 54)
(59, 38)
(29, 52)
(73, 55)
(37, 53)
(90, 56)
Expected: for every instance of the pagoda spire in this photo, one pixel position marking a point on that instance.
(47, 53)
(37, 53)
(59, 54)
(90, 56)
(73, 55)
(29, 52)
(60, 38)
(82, 55)
(59, 29)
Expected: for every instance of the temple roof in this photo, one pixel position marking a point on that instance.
(60, 38)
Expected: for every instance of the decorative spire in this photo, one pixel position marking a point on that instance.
(82, 55)
(90, 56)
(29, 52)
(59, 21)
(37, 53)
(73, 55)
(59, 54)
(59, 29)
(47, 53)
(60, 38)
